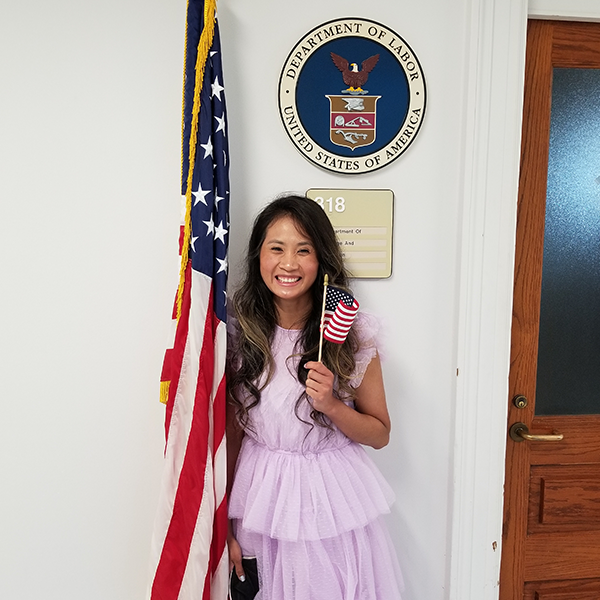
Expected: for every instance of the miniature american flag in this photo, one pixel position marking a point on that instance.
(340, 310)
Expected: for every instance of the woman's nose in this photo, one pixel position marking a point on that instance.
(288, 260)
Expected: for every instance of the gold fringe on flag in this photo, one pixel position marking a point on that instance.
(206, 40)
(164, 391)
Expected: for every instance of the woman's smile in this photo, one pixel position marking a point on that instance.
(283, 279)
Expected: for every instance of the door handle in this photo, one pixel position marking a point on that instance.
(519, 432)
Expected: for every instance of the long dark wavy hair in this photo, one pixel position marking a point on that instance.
(255, 310)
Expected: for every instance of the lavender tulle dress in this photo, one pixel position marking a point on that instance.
(307, 503)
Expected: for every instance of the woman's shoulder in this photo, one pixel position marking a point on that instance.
(367, 328)
(233, 325)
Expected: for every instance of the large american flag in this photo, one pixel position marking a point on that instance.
(341, 309)
(189, 559)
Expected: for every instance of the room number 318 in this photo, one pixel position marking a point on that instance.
(327, 204)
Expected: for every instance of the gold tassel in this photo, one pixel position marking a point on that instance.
(164, 391)
(206, 39)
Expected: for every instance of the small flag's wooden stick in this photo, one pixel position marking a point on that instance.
(325, 283)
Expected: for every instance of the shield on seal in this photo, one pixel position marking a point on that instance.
(352, 120)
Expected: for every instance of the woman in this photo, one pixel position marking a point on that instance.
(305, 499)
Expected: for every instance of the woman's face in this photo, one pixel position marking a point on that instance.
(288, 264)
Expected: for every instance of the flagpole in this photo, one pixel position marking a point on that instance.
(325, 283)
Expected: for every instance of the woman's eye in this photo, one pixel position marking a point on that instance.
(304, 251)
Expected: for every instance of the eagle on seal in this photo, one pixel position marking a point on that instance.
(354, 78)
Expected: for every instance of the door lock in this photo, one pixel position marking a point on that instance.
(520, 401)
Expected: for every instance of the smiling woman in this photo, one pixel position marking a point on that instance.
(305, 500)
(288, 267)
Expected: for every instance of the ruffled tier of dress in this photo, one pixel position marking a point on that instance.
(356, 565)
(293, 496)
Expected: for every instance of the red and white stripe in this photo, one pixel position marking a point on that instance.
(340, 322)
(189, 558)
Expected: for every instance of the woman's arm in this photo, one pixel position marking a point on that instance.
(369, 423)
(234, 442)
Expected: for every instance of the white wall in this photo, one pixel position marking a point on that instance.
(418, 303)
(89, 217)
(89, 209)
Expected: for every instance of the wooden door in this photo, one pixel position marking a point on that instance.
(551, 535)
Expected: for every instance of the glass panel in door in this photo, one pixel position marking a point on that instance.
(568, 375)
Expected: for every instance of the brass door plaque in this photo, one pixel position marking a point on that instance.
(363, 222)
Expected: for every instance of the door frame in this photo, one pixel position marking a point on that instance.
(493, 91)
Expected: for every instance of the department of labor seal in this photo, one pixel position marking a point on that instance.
(352, 95)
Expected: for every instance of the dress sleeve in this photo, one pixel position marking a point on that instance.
(367, 329)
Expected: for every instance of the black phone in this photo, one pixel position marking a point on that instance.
(244, 590)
